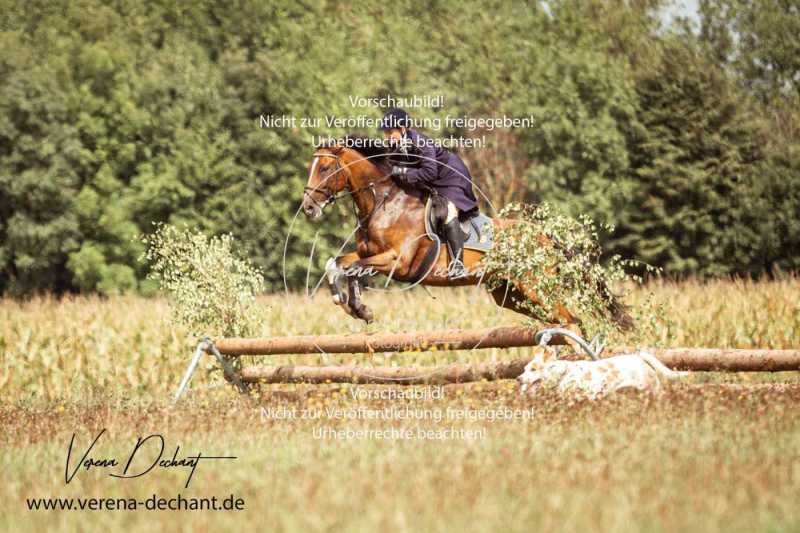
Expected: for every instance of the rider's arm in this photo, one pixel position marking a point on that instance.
(427, 171)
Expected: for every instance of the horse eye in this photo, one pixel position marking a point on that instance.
(323, 168)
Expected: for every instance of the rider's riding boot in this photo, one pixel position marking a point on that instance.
(455, 241)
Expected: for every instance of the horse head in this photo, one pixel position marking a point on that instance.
(336, 168)
(328, 175)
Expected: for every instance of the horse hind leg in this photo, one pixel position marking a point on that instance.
(523, 301)
(508, 296)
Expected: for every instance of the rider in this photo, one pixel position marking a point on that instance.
(437, 169)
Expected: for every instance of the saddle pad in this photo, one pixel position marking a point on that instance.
(479, 229)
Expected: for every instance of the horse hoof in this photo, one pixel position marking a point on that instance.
(365, 314)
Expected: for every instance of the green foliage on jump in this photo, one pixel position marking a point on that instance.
(211, 287)
(556, 258)
(116, 116)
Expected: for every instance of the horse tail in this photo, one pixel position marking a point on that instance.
(618, 310)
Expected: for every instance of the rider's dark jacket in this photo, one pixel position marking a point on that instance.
(441, 170)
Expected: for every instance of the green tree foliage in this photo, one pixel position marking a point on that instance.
(114, 119)
(694, 152)
(758, 39)
(115, 115)
(757, 42)
(662, 143)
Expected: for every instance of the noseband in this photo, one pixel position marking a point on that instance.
(330, 196)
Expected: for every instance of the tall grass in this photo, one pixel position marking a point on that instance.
(75, 346)
(703, 457)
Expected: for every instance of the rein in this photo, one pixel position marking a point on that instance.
(331, 196)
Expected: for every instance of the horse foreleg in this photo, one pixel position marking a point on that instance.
(343, 273)
(383, 263)
(338, 282)
(361, 311)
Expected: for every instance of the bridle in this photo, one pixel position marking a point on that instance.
(331, 196)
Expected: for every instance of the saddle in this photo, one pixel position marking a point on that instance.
(478, 229)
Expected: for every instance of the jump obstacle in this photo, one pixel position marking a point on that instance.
(697, 359)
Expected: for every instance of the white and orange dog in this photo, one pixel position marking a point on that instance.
(595, 379)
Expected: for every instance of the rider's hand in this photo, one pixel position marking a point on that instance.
(399, 171)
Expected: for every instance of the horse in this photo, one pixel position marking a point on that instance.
(391, 238)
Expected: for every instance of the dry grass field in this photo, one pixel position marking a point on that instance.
(716, 452)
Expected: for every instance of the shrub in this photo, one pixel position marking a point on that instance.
(557, 258)
(212, 290)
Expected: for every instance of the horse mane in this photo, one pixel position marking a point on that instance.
(369, 147)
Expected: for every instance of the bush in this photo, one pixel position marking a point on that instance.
(212, 290)
(557, 258)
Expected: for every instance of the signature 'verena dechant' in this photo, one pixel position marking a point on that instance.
(154, 451)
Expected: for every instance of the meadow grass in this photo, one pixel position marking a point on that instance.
(78, 346)
(715, 453)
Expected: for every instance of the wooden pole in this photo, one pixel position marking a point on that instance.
(453, 339)
(455, 373)
(696, 359)
(722, 359)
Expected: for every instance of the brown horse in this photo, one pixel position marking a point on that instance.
(391, 237)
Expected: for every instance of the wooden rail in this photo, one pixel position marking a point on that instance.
(404, 375)
(453, 339)
(696, 359)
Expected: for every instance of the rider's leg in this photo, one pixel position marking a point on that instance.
(455, 242)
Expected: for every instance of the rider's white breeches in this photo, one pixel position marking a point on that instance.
(452, 212)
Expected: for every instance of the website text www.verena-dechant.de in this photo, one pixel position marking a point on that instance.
(153, 503)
